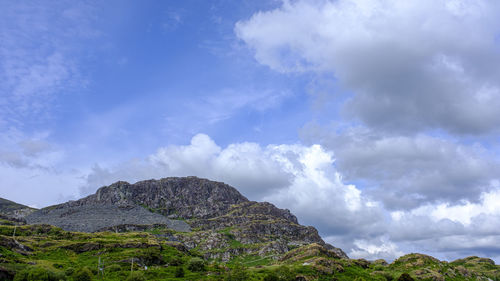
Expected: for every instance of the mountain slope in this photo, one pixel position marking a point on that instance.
(14, 211)
(225, 223)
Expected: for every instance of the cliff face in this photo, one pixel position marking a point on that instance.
(184, 198)
(224, 223)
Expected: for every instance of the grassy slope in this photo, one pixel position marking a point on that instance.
(9, 206)
(64, 252)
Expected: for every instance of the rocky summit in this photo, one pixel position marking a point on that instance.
(225, 224)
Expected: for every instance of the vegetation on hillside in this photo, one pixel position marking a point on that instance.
(42, 252)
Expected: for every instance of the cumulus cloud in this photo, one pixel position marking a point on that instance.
(411, 171)
(253, 169)
(378, 248)
(406, 63)
(451, 230)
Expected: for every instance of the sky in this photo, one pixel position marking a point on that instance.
(376, 121)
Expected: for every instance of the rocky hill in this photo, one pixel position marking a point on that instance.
(225, 223)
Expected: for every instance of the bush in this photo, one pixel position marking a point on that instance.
(285, 274)
(152, 256)
(69, 271)
(113, 268)
(388, 276)
(38, 273)
(196, 264)
(136, 276)
(83, 274)
(179, 272)
(238, 273)
(271, 276)
(21, 275)
(176, 261)
(405, 277)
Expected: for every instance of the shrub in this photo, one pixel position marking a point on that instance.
(196, 264)
(83, 274)
(69, 271)
(271, 276)
(38, 273)
(179, 272)
(238, 273)
(388, 276)
(405, 277)
(285, 274)
(136, 276)
(176, 261)
(21, 275)
(152, 256)
(113, 268)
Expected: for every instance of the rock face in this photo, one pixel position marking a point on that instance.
(97, 217)
(184, 198)
(225, 223)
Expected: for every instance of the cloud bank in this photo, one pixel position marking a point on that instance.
(399, 59)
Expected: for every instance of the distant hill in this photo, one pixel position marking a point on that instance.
(14, 211)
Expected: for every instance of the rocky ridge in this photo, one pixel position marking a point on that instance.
(225, 224)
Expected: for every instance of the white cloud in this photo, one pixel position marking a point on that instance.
(406, 62)
(253, 169)
(33, 171)
(38, 187)
(411, 171)
(381, 248)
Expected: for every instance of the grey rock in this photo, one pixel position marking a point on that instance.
(96, 217)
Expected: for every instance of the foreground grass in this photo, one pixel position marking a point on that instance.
(41, 252)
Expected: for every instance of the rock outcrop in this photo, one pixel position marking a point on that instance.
(98, 217)
(177, 198)
(226, 223)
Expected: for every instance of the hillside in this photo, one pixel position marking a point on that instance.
(190, 229)
(13, 211)
(225, 223)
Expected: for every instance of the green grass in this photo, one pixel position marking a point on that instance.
(63, 253)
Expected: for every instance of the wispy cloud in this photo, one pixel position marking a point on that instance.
(39, 43)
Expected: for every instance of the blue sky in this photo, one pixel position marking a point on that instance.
(145, 75)
(375, 121)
